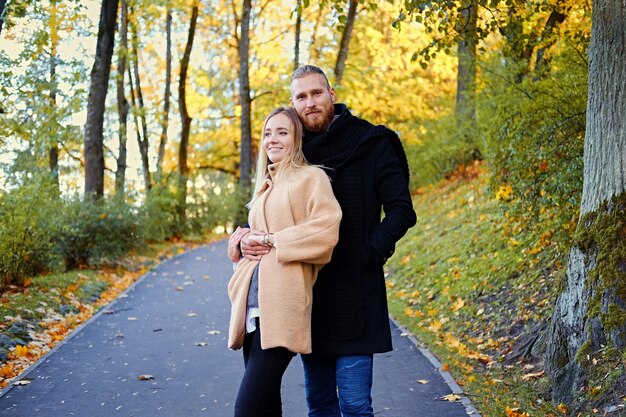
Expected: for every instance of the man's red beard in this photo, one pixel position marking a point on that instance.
(320, 120)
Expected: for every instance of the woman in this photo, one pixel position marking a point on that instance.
(293, 211)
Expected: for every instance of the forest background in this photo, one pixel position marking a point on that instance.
(488, 97)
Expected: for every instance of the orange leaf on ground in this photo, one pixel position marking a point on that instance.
(514, 412)
(532, 375)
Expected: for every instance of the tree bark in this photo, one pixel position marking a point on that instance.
(122, 103)
(466, 73)
(245, 164)
(94, 153)
(53, 149)
(590, 311)
(183, 168)
(314, 51)
(554, 19)
(345, 42)
(166, 96)
(143, 144)
(3, 3)
(296, 49)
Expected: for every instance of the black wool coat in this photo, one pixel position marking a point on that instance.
(369, 173)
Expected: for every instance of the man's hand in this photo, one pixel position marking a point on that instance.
(251, 248)
(234, 253)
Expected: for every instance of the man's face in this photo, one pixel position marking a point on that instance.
(313, 101)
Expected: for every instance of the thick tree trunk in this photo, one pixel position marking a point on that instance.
(245, 164)
(122, 103)
(94, 153)
(344, 45)
(166, 96)
(591, 310)
(296, 49)
(53, 149)
(143, 144)
(466, 73)
(185, 119)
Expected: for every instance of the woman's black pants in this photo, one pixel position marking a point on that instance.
(259, 392)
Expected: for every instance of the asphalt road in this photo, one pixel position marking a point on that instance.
(171, 328)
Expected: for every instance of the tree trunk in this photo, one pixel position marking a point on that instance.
(122, 103)
(554, 19)
(143, 144)
(245, 164)
(183, 168)
(94, 153)
(296, 49)
(345, 42)
(3, 3)
(314, 51)
(53, 149)
(466, 76)
(166, 96)
(591, 310)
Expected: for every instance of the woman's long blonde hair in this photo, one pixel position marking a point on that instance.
(294, 160)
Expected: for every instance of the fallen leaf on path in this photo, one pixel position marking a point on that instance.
(423, 381)
(202, 344)
(213, 332)
(451, 397)
(145, 377)
(22, 382)
(191, 314)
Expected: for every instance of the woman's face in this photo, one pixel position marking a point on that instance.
(278, 138)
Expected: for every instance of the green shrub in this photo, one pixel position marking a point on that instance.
(96, 232)
(533, 133)
(27, 232)
(443, 148)
(212, 202)
(158, 215)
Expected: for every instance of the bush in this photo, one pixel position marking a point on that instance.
(27, 232)
(96, 232)
(442, 150)
(534, 134)
(158, 215)
(213, 201)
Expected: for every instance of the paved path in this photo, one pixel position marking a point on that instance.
(172, 325)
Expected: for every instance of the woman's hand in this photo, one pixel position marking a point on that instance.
(234, 253)
(251, 245)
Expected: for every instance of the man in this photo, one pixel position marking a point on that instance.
(369, 173)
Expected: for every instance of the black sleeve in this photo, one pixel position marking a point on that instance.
(392, 188)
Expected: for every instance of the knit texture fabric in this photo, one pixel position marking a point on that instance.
(339, 297)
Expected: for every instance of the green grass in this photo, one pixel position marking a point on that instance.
(473, 283)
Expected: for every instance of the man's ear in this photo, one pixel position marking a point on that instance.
(332, 94)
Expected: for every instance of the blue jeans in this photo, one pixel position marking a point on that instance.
(338, 386)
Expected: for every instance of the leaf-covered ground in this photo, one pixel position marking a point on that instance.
(36, 318)
(477, 286)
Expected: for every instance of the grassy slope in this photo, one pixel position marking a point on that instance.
(473, 284)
